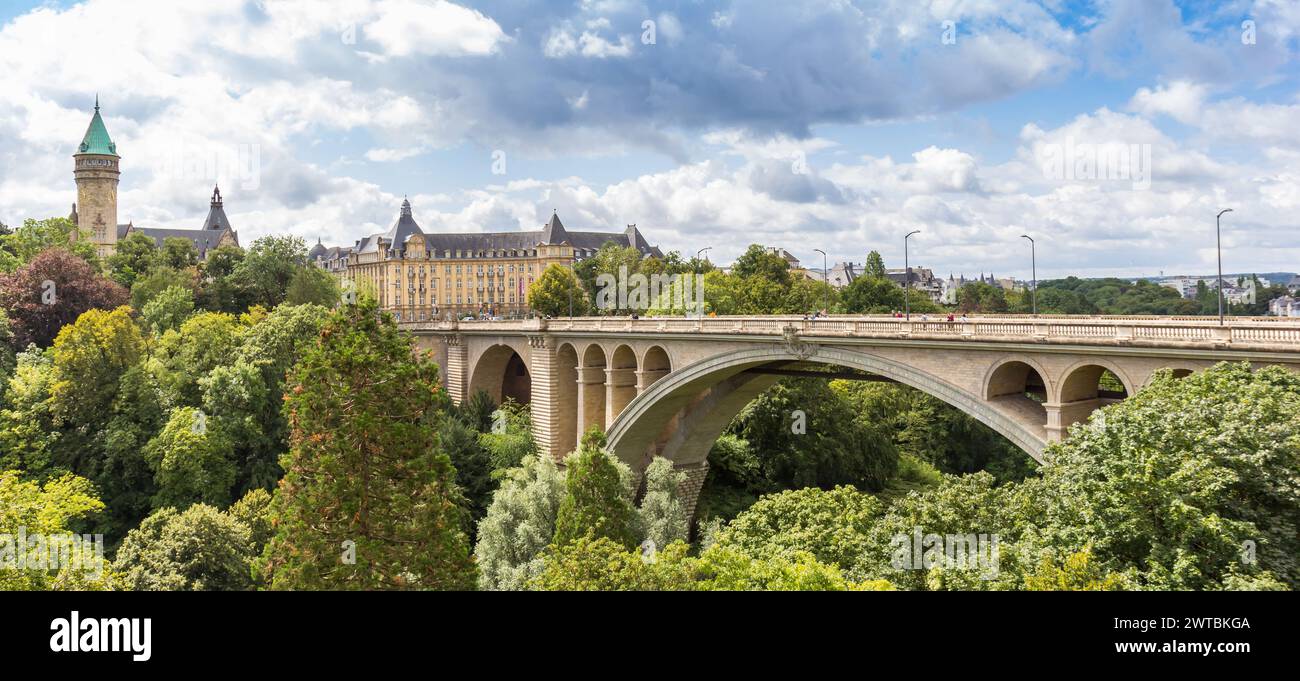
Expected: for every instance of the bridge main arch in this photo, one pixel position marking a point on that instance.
(683, 413)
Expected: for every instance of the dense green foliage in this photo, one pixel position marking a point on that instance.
(598, 497)
(231, 377)
(50, 509)
(199, 549)
(368, 499)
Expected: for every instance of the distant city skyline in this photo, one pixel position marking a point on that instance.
(1112, 132)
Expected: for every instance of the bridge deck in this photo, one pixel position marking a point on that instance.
(1255, 333)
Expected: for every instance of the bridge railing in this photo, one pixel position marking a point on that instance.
(1269, 333)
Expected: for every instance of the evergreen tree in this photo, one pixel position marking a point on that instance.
(598, 499)
(368, 500)
(874, 267)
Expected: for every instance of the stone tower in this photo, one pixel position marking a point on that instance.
(96, 170)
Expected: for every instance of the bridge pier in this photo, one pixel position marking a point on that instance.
(620, 388)
(689, 489)
(1062, 415)
(590, 399)
(646, 378)
(457, 374)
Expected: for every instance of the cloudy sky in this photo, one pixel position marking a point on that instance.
(1110, 130)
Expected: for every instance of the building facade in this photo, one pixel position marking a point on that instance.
(97, 169)
(422, 276)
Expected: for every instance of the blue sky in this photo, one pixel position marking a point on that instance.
(834, 125)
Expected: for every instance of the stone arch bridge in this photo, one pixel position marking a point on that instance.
(669, 386)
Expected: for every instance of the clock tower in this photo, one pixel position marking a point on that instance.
(96, 171)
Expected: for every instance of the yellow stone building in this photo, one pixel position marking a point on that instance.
(423, 276)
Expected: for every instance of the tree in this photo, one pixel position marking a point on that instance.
(662, 513)
(933, 431)
(874, 267)
(602, 564)
(202, 343)
(159, 279)
(27, 432)
(51, 291)
(612, 260)
(761, 263)
(872, 295)
(368, 500)
(89, 359)
(311, 284)
(178, 253)
(198, 549)
(124, 477)
(598, 496)
(49, 510)
(168, 309)
(224, 291)
(6, 349)
(551, 293)
(1178, 486)
(511, 437)
(477, 411)
(269, 266)
(832, 526)
(981, 297)
(967, 507)
(191, 462)
(242, 396)
(1078, 572)
(253, 510)
(805, 435)
(132, 258)
(472, 463)
(21, 246)
(519, 525)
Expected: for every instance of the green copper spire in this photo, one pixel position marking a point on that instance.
(97, 140)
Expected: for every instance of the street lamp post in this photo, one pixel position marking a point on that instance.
(825, 277)
(907, 278)
(1218, 247)
(700, 282)
(1033, 265)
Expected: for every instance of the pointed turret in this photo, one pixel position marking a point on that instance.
(553, 232)
(403, 229)
(96, 139)
(216, 213)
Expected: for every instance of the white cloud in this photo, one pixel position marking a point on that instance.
(433, 28)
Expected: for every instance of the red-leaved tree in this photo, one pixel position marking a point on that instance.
(53, 290)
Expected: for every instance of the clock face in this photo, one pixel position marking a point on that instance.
(84, 146)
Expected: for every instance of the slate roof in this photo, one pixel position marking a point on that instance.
(204, 240)
(216, 214)
(553, 232)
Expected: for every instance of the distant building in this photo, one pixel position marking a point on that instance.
(948, 288)
(1284, 306)
(1185, 286)
(919, 279)
(843, 273)
(96, 169)
(422, 275)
